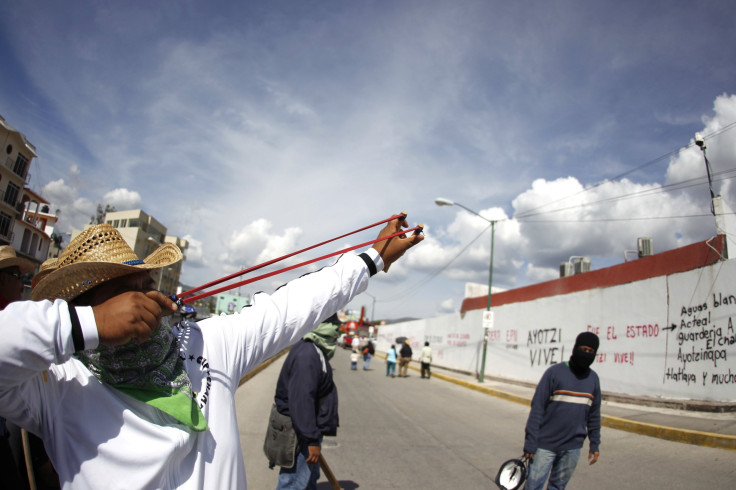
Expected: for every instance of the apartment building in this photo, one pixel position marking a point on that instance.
(33, 233)
(26, 220)
(16, 161)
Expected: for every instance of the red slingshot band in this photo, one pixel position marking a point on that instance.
(180, 297)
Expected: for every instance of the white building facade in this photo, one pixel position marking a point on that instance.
(666, 322)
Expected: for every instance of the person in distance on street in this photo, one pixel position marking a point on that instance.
(391, 357)
(404, 359)
(368, 352)
(425, 358)
(354, 357)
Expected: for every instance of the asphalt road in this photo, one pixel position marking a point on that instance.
(412, 433)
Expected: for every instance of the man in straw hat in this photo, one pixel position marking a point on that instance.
(129, 402)
(12, 268)
(12, 461)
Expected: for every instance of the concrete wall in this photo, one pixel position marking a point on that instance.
(670, 336)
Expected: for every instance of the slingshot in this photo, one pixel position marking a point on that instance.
(184, 298)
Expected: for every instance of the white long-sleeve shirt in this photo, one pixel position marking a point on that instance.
(98, 437)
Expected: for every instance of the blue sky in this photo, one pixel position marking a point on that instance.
(254, 129)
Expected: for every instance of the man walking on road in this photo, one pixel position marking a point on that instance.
(306, 393)
(425, 357)
(404, 359)
(565, 409)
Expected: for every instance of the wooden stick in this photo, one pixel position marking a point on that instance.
(28, 458)
(328, 473)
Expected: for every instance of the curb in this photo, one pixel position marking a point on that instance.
(686, 436)
(707, 439)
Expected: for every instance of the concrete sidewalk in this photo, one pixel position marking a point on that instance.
(709, 429)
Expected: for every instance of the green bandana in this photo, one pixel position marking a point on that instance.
(325, 337)
(151, 372)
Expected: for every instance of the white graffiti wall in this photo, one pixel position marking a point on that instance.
(671, 336)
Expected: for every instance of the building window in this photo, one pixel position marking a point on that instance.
(21, 164)
(115, 223)
(134, 223)
(11, 194)
(4, 224)
(123, 223)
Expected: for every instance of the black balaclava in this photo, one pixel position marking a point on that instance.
(580, 361)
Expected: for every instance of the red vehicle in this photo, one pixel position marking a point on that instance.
(353, 330)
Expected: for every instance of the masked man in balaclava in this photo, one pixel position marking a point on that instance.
(306, 393)
(565, 409)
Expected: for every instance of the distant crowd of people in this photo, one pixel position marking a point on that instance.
(365, 349)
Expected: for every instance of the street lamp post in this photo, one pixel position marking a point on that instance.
(372, 328)
(373, 308)
(700, 142)
(446, 202)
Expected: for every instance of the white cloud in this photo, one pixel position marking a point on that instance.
(601, 221)
(447, 306)
(536, 274)
(556, 219)
(122, 199)
(689, 164)
(194, 254)
(75, 211)
(255, 244)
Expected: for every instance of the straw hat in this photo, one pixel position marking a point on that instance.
(9, 259)
(93, 257)
(46, 267)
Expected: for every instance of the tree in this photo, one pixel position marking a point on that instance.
(99, 217)
(57, 239)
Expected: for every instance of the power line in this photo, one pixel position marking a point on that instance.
(642, 218)
(412, 288)
(522, 216)
(657, 190)
(628, 172)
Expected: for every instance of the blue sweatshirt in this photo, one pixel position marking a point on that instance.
(306, 392)
(565, 409)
